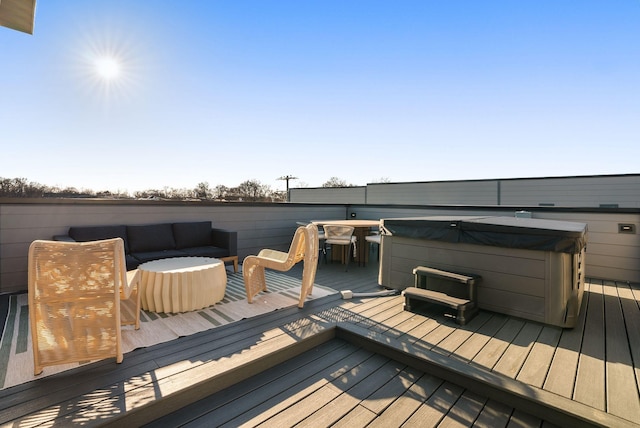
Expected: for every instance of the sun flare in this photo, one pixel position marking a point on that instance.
(108, 65)
(108, 68)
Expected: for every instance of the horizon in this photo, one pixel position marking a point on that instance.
(291, 186)
(121, 96)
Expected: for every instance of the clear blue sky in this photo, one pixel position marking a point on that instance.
(226, 91)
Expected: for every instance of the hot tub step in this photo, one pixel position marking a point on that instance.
(450, 289)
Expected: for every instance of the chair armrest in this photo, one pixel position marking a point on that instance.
(273, 255)
(225, 239)
(63, 238)
(133, 277)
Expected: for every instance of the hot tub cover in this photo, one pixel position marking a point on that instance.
(509, 232)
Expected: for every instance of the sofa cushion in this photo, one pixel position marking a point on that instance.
(192, 234)
(148, 238)
(132, 262)
(97, 233)
(156, 255)
(208, 251)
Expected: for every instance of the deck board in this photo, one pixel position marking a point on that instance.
(274, 383)
(377, 391)
(407, 404)
(631, 310)
(357, 382)
(296, 413)
(401, 330)
(590, 378)
(563, 369)
(464, 412)
(379, 312)
(415, 332)
(389, 326)
(517, 352)
(491, 353)
(461, 334)
(439, 334)
(619, 367)
(358, 417)
(349, 399)
(494, 414)
(535, 368)
(262, 386)
(381, 398)
(521, 419)
(473, 345)
(436, 407)
(288, 396)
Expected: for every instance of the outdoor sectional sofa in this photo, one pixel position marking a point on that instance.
(143, 243)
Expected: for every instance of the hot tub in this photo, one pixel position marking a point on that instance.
(530, 268)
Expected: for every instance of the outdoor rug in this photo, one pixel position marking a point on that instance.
(16, 356)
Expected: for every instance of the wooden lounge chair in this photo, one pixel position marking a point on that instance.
(75, 290)
(321, 236)
(304, 247)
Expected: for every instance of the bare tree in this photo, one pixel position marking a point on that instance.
(220, 192)
(253, 190)
(203, 191)
(19, 187)
(278, 196)
(336, 182)
(250, 190)
(382, 180)
(149, 194)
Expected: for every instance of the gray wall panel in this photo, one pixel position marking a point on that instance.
(434, 193)
(258, 226)
(586, 191)
(329, 195)
(610, 254)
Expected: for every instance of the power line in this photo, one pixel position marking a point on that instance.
(287, 178)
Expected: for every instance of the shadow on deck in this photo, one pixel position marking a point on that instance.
(363, 362)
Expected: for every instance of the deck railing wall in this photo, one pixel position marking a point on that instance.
(612, 253)
(596, 191)
(258, 225)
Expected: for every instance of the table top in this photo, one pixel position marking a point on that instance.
(354, 223)
(179, 264)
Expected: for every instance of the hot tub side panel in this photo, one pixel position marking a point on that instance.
(535, 285)
(565, 289)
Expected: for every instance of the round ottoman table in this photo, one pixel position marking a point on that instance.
(181, 284)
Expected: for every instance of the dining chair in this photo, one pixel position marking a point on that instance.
(374, 238)
(75, 290)
(340, 235)
(304, 247)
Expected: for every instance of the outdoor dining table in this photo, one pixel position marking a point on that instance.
(362, 228)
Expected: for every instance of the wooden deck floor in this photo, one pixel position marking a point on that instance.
(363, 362)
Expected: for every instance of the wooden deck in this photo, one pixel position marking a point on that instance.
(363, 362)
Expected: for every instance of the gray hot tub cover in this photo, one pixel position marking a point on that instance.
(509, 232)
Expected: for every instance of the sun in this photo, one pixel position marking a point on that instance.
(108, 65)
(108, 68)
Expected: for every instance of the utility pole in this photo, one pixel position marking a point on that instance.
(287, 178)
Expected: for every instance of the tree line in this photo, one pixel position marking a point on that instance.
(247, 191)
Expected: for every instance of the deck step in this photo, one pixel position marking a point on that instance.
(452, 290)
(435, 297)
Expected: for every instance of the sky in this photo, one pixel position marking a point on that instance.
(126, 95)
